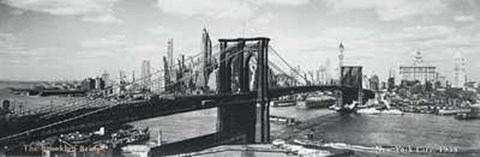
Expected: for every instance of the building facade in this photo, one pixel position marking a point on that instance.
(146, 74)
(459, 74)
(418, 71)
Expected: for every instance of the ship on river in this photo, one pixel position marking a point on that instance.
(316, 101)
(473, 114)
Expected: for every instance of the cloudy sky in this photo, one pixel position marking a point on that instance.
(74, 39)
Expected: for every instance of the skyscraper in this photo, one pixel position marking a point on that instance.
(207, 68)
(106, 78)
(391, 80)
(122, 77)
(145, 74)
(340, 55)
(459, 74)
(328, 71)
(374, 83)
(171, 62)
(340, 60)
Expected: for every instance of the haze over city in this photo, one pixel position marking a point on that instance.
(65, 40)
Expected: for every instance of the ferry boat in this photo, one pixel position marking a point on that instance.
(473, 114)
(368, 111)
(373, 111)
(283, 120)
(283, 103)
(321, 101)
(77, 138)
(136, 151)
(452, 111)
(132, 135)
(346, 109)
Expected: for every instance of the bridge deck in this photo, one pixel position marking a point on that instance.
(139, 110)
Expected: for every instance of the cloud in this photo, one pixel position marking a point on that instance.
(392, 10)
(160, 30)
(282, 2)
(108, 42)
(264, 19)
(63, 7)
(422, 33)
(210, 8)
(145, 48)
(468, 18)
(91, 10)
(239, 9)
(10, 46)
(17, 12)
(13, 49)
(105, 18)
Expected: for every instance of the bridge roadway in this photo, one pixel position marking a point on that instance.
(155, 107)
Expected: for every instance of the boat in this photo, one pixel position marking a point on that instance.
(283, 103)
(77, 138)
(473, 114)
(346, 109)
(136, 150)
(321, 101)
(130, 136)
(374, 111)
(392, 112)
(282, 120)
(452, 111)
(383, 107)
(368, 111)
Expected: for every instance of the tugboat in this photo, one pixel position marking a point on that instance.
(316, 101)
(347, 108)
(284, 102)
(473, 114)
(130, 136)
(379, 105)
(77, 138)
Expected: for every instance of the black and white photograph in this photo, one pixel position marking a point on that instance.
(239, 78)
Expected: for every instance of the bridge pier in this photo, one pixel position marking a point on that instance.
(250, 118)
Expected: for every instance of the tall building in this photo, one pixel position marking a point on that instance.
(122, 77)
(340, 58)
(171, 62)
(207, 68)
(459, 74)
(166, 75)
(168, 64)
(322, 75)
(145, 74)
(374, 83)
(391, 81)
(106, 78)
(328, 71)
(418, 71)
(99, 83)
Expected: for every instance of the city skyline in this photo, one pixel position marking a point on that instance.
(59, 40)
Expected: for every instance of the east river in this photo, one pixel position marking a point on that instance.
(411, 134)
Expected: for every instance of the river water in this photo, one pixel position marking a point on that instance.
(360, 133)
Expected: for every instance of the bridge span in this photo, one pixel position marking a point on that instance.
(243, 113)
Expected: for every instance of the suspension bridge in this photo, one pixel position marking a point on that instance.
(249, 74)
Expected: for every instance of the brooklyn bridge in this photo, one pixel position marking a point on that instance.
(245, 74)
